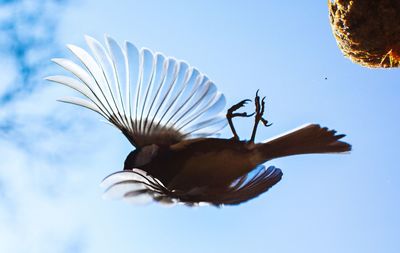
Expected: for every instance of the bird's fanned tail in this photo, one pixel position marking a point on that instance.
(307, 139)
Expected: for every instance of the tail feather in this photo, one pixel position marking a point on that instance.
(308, 139)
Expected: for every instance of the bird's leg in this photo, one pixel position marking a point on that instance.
(258, 115)
(230, 114)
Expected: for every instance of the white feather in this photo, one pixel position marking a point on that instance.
(84, 103)
(143, 92)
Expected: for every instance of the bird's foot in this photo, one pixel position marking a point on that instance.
(231, 114)
(259, 112)
(260, 108)
(231, 111)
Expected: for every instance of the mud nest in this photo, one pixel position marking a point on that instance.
(367, 31)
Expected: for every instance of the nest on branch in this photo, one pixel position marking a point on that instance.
(367, 31)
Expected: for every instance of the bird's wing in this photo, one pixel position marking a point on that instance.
(136, 186)
(151, 98)
(249, 186)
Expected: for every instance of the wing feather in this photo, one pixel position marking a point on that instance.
(148, 96)
(84, 103)
(136, 185)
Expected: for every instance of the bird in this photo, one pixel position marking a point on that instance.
(172, 114)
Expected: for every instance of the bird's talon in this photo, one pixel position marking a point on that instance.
(265, 122)
(259, 112)
(230, 114)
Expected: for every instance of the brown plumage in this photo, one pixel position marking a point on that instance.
(171, 119)
(209, 167)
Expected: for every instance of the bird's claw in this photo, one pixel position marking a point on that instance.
(231, 114)
(260, 108)
(231, 111)
(242, 114)
(259, 112)
(265, 122)
(238, 105)
(249, 115)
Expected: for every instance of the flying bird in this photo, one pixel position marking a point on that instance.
(171, 113)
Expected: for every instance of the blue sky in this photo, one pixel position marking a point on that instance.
(53, 156)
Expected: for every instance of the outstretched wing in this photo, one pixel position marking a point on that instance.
(151, 98)
(249, 186)
(136, 186)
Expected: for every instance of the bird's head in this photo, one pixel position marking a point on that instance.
(140, 156)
